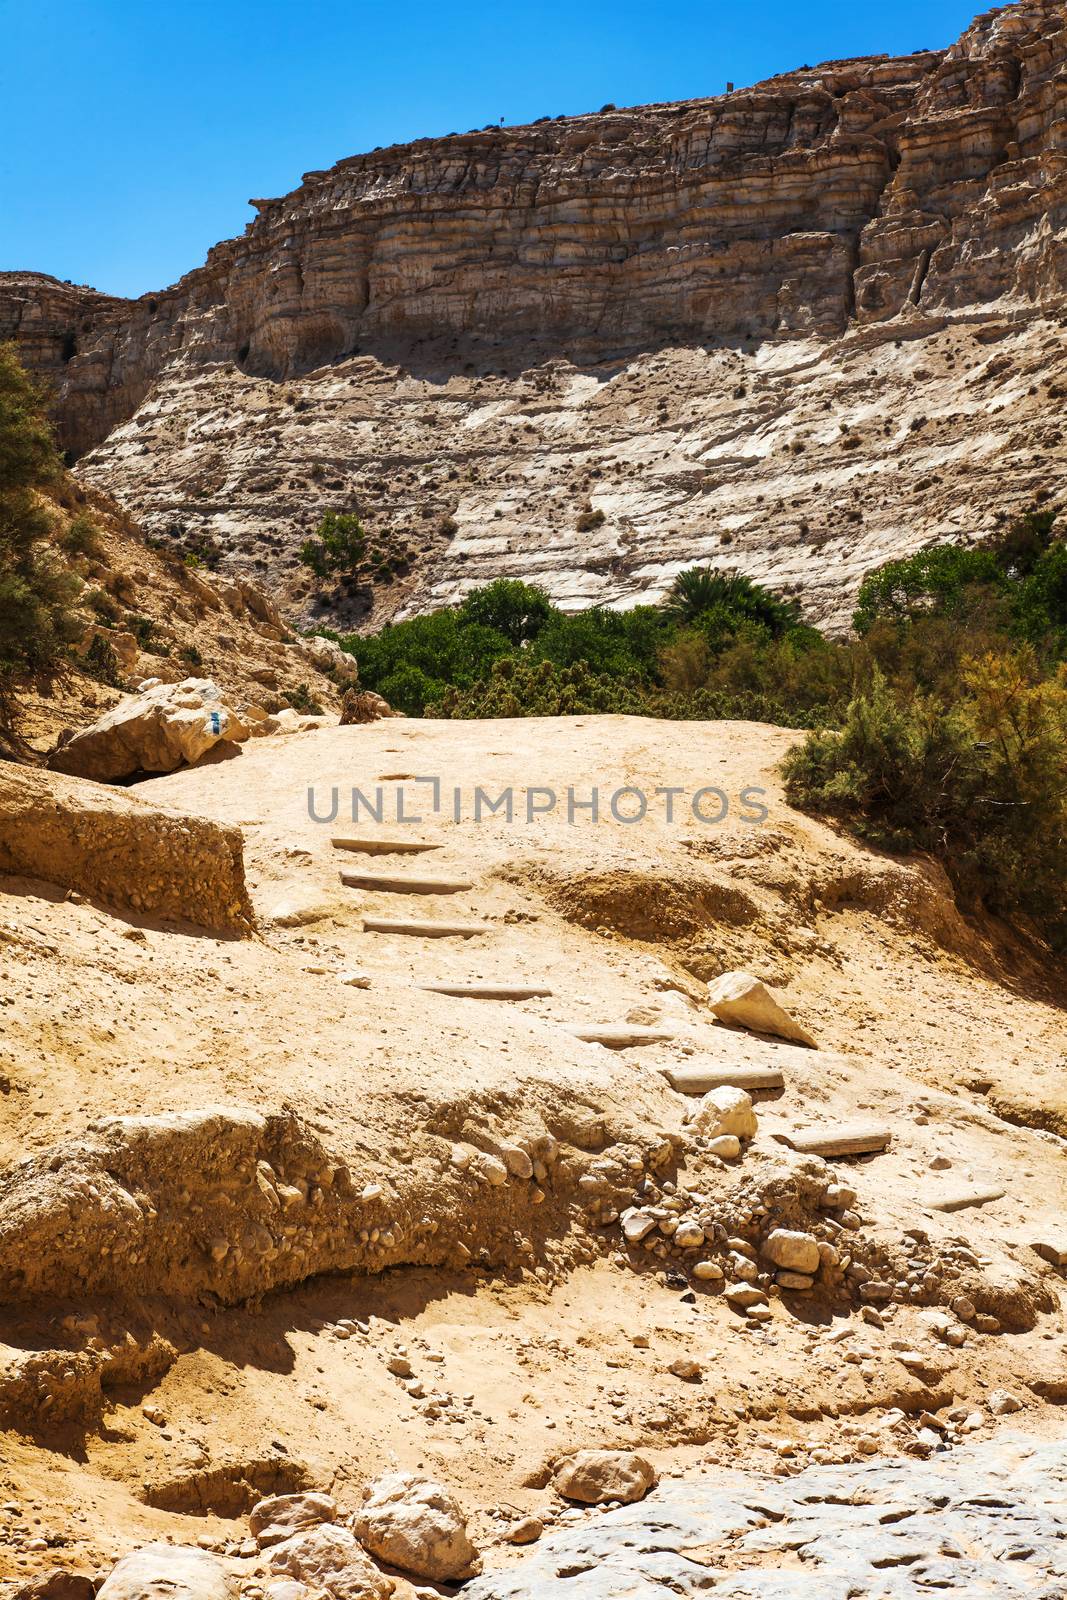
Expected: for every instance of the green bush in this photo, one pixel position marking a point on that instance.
(301, 699)
(420, 659)
(339, 545)
(980, 783)
(616, 644)
(520, 687)
(37, 622)
(721, 603)
(82, 537)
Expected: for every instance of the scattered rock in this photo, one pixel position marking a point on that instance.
(743, 1296)
(727, 1147)
(282, 1515)
(725, 1111)
(794, 1280)
(796, 1252)
(594, 1476)
(739, 998)
(526, 1531)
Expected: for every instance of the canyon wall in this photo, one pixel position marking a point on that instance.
(846, 197)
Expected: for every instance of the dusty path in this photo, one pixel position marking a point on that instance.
(529, 1327)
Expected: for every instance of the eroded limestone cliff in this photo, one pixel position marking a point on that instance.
(472, 337)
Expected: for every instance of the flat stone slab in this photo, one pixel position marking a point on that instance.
(398, 883)
(698, 1080)
(839, 1138)
(982, 1523)
(425, 930)
(962, 1199)
(616, 1035)
(370, 844)
(488, 991)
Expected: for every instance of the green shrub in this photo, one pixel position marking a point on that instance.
(981, 783)
(37, 621)
(720, 603)
(301, 699)
(101, 662)
(519, 687)
(144, 631)
(339, 545)
(615, 644)
(82, 537)
(445, 650)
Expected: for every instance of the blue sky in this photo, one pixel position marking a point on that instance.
(132, 134)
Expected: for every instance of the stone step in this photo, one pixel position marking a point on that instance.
(487, 991)
(698, 1080)
(372, 844)
(616, 1035)
(839, 1138)
(398, 883)
(961, 1199)
(425, 930)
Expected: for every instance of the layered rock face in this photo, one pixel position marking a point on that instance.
(892, 195)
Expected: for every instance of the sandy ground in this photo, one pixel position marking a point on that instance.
(940, 1028)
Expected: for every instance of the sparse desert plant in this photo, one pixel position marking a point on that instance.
(301, 699)
(82, 537)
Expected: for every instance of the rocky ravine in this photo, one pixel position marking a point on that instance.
(795, 329)
(288, 1211)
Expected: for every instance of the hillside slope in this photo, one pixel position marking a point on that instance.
(152, 616)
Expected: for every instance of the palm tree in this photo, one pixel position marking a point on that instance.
(701, 590)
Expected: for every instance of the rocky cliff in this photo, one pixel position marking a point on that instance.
(649, 313)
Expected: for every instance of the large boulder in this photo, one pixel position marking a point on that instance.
(160, 728)
(741, 999)
(328, 1557)
(112, 846)
(594, 1476)
(416, 1525)
(168, 1572)
(328, 657)
(281, 1515)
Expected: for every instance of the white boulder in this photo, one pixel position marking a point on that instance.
(594, 1476)
(417, 1525)
(160, 728)
(330, 1558)
(723, 1112)
(168, 1572)
(281, 1515)
(795, 1252)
